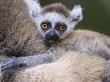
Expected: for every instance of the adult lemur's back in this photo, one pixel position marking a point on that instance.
(17, 32)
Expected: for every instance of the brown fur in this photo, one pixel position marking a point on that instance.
(86, 41)
(57, 7)
(16, 40)
(17, 32)
(78, 60)
(71, 67)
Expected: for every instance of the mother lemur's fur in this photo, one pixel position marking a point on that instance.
(71, 67)
(19, 38)
(82, 55)
(17, 31)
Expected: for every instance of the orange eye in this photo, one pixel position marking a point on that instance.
(62, 28)
(44, 26)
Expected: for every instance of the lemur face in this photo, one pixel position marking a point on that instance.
(54, 21)
(52, 26)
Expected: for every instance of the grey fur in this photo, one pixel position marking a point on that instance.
(78, 44)
(28, 61)
(106, 76)
(22, 62)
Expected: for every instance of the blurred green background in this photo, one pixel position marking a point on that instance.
(96, 13)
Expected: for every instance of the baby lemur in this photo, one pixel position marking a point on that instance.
(55, 23)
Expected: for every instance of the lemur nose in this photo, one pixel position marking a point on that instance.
(52, 36)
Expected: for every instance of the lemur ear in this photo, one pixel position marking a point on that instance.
(33, 7)
(76, 14)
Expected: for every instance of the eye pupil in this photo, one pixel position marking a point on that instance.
(62, 28)
(44, 26)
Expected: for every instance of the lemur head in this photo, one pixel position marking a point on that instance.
(54, 21)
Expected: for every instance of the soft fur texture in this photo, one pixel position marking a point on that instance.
(86, 65)
(27, 61)
(71, 67)
(86, 41)
(17, 31)
(18, 36)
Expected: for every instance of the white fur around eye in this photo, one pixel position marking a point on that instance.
(54, 18)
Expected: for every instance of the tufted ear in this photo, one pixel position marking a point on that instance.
(33, 7)
(76, 14)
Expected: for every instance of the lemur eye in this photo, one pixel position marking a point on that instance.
(62, 28)
(44, 26)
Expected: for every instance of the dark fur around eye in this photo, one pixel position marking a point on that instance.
(47, 23)
(58, 25)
